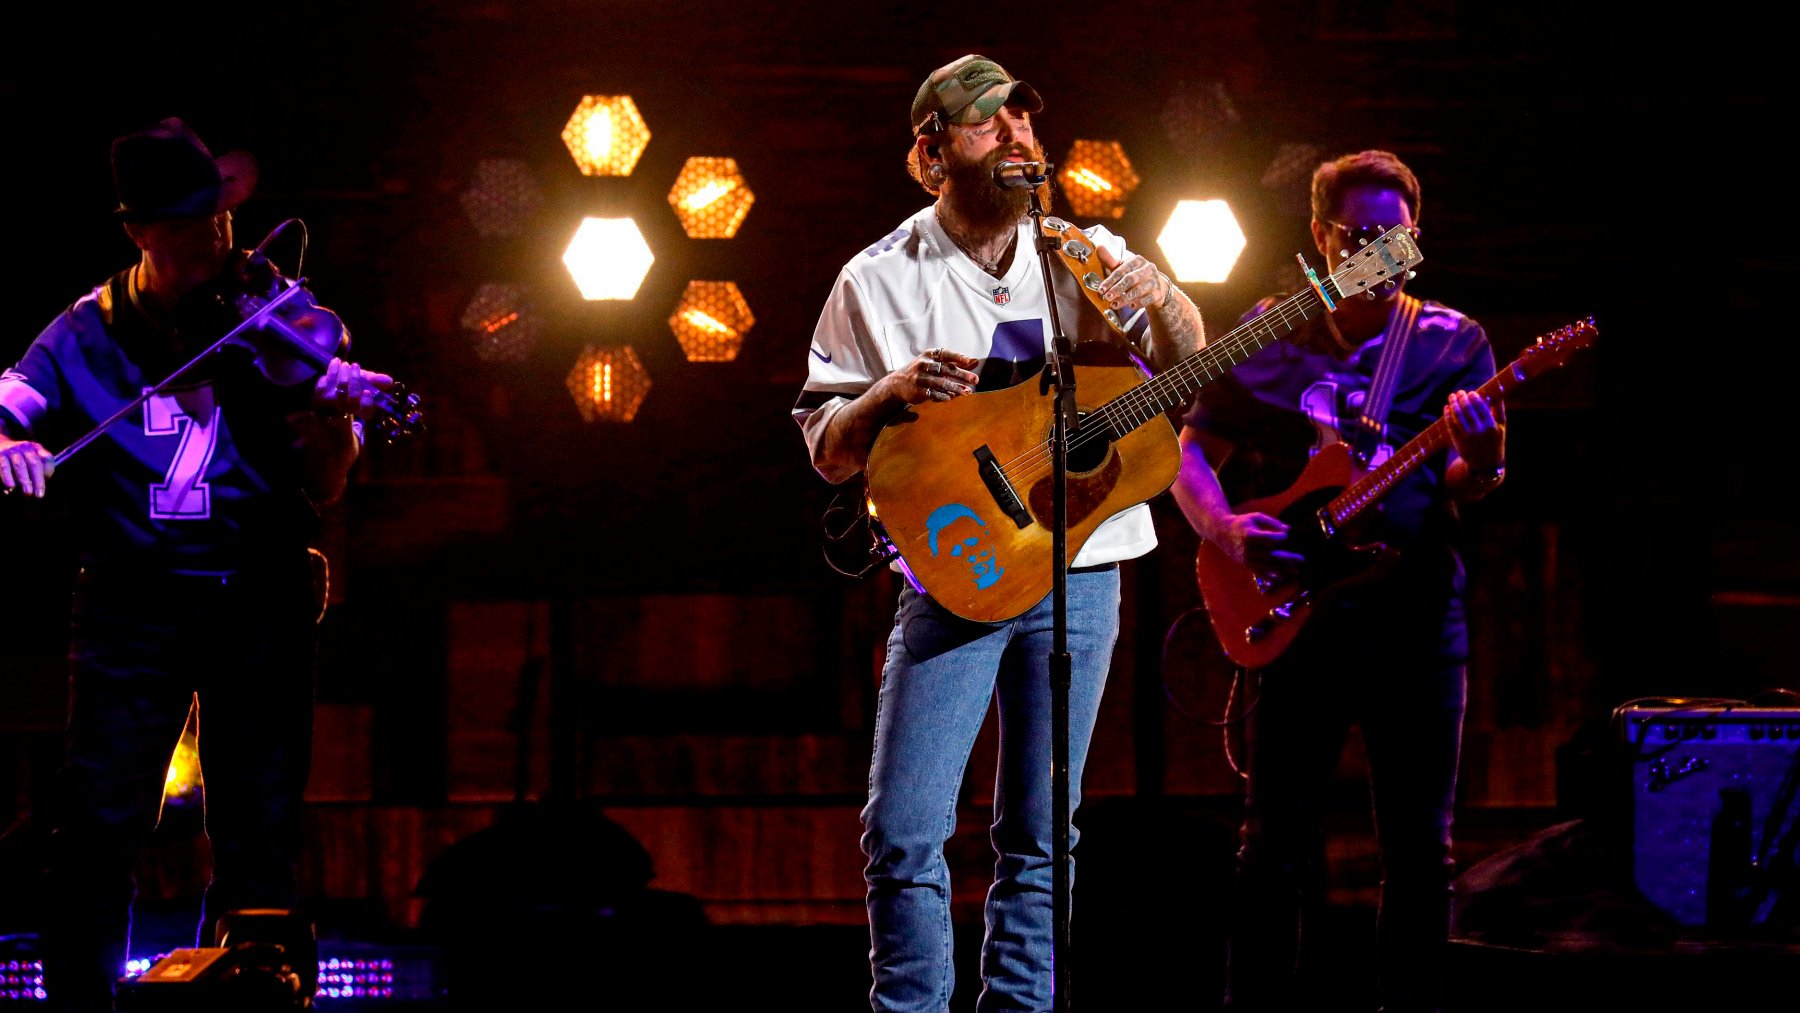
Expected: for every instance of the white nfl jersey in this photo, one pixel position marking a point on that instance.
(916, 290)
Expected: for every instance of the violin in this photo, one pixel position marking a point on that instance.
(292, 338)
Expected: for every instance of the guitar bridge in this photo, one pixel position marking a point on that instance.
(998, 487)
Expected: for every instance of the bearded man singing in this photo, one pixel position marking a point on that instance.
(951, 302)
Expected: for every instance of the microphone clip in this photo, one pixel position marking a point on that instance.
(1020, 175)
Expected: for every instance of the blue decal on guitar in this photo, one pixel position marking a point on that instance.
(968, 542)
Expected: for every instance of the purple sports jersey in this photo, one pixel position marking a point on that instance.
(205, 475)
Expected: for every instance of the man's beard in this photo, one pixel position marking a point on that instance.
(981, 202)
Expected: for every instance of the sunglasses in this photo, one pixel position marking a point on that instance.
(1363, 235)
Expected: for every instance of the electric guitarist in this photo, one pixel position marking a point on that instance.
(1389, 655)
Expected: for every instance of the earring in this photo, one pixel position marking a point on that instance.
(935, 172)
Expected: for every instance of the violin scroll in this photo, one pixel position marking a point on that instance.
(405, 418)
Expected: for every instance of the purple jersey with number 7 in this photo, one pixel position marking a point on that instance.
(205, 475)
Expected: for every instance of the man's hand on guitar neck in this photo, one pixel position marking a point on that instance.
(1478, 435)
(1135, 282)
(1176, 330)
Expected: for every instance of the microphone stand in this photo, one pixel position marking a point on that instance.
(1062, 378)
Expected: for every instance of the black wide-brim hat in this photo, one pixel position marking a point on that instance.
(165, 172)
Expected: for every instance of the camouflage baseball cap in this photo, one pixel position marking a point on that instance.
(969, 89)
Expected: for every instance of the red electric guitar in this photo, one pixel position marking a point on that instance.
(1257, 617)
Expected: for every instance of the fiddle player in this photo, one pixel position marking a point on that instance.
(192, 518)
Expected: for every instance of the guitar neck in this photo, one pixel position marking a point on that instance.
(1175, 386)
(1358, 495)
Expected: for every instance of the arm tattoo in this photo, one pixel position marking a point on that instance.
(1176, 330)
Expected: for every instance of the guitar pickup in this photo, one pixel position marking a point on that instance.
(998, 487)
(1323, 518)
(1275, 617)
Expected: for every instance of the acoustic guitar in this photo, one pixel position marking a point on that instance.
(963, 490)
(1256, 616)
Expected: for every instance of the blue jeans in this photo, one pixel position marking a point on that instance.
(940, 675)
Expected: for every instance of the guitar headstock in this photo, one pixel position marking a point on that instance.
(1079, 256)
(1552, 350)
(1389, 257)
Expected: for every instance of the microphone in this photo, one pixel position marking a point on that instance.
(1010, 175)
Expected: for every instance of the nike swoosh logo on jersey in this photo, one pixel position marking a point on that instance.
(822, 356)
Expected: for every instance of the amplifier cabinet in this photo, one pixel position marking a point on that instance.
(1713, 812)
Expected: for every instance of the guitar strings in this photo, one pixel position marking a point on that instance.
(1436, 436)
(1147, 399)
(1152, 397)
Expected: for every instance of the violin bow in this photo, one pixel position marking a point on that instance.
(253, 320)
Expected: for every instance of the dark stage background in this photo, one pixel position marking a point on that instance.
(638, 615)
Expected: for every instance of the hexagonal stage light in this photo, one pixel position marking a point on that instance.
(1292, 166)
(605, 135)
(711, 198)
(608, 383)
(710, 321)
(1202, 240)
(502, 196)
(1097, 178)
(608, 258)
(501, 321)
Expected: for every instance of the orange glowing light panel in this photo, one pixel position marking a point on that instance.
(710, 321)
(1098, 179)
(608, 383)
(605, 135)
(711, 198)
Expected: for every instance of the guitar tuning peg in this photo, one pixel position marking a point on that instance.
(1410, 275)
(1344, 253)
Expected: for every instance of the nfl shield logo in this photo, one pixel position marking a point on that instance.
(1002, 295)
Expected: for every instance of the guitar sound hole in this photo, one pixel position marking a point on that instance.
(1087, 448)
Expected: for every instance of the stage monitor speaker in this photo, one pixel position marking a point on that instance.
(1714, 821)
(266, 961)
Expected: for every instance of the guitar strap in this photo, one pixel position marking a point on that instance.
(1366, 437)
